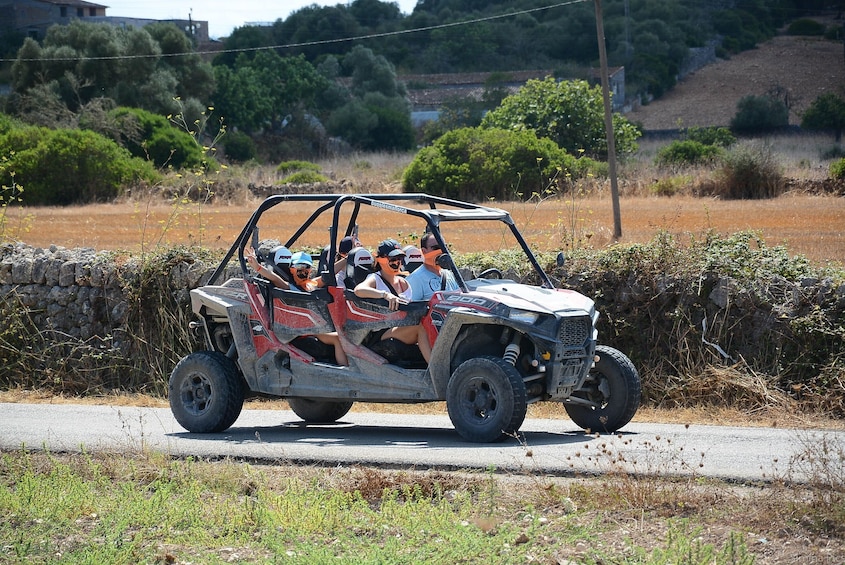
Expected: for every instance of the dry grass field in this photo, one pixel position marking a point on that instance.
(810, 225)
(805, 223)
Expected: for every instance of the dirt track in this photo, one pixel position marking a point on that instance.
(806, 67)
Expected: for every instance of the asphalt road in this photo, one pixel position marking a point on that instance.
(548, 446)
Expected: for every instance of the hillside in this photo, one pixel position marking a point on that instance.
(806, 67)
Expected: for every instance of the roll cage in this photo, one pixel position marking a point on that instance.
(432, 209)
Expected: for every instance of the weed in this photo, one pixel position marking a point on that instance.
(821, 466)
(11, 195)
(750, 171)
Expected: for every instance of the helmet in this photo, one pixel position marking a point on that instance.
(362, 258)
(281, 256)
(413, 257)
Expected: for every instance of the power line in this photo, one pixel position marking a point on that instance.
(304, 44)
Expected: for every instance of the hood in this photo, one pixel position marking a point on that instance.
(535, 298)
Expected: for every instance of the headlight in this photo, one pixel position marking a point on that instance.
(523, 316)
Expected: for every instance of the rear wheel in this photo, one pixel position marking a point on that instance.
(613, 385)
(486, 399)
(206, 392)
(319, 411)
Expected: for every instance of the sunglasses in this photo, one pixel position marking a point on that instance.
(434, 247)
(303, 272)
(393, 262)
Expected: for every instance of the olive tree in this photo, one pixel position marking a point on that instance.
(570, 113)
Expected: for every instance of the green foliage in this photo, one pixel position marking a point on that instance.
(304, 177)
(239, 147)
(374, 123)
(486, 163)
(58, 167)
(759, 114)
(668, 186)
(150, 136)
(570, 113)
(249, 94)
(688, 152)
(826, 113)
(837, 169)
(749, 172)
(287, 167)
(805, 26)
(84, 61)
(718, 136)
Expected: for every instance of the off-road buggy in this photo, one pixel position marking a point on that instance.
(498, 344)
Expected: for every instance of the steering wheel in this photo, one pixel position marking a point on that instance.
(486, 274)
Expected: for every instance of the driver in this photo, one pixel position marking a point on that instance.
(430, 277)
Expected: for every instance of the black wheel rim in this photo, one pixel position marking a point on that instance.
(196, 393)
(479, 401)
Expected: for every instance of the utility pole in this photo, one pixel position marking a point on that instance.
(608, 125)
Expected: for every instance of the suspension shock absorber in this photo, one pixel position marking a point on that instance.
(512, 350)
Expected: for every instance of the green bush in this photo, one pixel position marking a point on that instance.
(239, 146)
(837, 169)
(287, 167)
(721, 137)
(759, 114)
(749, 172)
(805, 26)
(687, 152)
(479, 164)
(569, 112)
(304, 177)
(150, 136)
(826, 113)
(59, 167)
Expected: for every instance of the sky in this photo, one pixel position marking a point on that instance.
(222, 15)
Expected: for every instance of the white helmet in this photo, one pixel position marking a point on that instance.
(281, 256)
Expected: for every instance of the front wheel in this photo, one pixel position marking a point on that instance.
(206, 392)
(613, 385)
(486, 399)
(319, 411)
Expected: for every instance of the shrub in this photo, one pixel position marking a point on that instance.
(239, 146)
(304, 177)
(759, 114)
(157, 139)
(687, 152)
(287, 167)
(721, 137)
(805, 26)
(571, 113)
(479, 164)
(826, 113)
(59, 167)
(837, 169)
(749, 172)
(669, 186)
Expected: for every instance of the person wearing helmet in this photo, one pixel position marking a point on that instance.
(299, 266)
(429, 278)
(281, 257)
(388, 284)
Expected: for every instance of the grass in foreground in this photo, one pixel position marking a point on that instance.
(149, 508)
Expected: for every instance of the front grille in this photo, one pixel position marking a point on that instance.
(574, 332)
